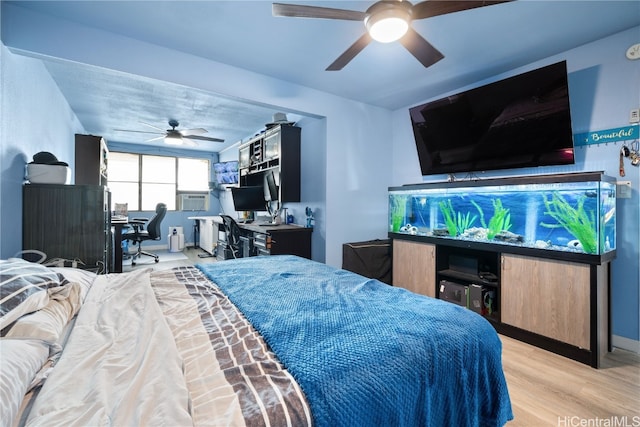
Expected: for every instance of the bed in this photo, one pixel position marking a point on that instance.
(263, 341)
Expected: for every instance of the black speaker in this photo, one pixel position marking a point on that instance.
(454, 292)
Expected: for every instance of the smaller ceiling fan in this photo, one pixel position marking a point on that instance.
(174, 136)
(386, 21)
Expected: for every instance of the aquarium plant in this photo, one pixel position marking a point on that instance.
(398, 206)
(576, 221)
(449, 214)
(500, 221)
(456, 223)
(465, 221)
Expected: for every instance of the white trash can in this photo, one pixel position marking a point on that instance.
(176, 239)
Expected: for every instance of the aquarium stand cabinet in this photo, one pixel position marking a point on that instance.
(532, 287)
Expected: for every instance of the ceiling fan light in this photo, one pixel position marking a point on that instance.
(173, 139)
(388, 25)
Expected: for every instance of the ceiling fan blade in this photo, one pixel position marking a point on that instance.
(204, 138)
(152, 126)
(189, 132)
(299, 11)
(155, 139)
(430, 8)
(138, 131)
(420, 48)
(350, 53)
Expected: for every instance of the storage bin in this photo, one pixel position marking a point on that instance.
(48, 174)
(371, 259)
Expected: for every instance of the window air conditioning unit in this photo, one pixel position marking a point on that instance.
(194, 202)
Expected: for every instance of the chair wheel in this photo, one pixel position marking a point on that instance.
(157, 260)
(133, 263)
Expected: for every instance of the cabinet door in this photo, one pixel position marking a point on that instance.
(414, 267)
(290, 242)
(548, 297)
(91, 160)
(67, 221)
(290, 164)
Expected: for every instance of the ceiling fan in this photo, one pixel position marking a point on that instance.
(385, 21)
(174, 136)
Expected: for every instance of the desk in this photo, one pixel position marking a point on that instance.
(260, 238)
(118, 225)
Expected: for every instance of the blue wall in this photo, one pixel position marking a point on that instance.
(603, 86)
(35, 117)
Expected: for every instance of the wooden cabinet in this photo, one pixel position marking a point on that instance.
(278, 150)
(91, 160)
(277, 240)
(414, 267)
(68, 221)
(559, 305)
(548, 297)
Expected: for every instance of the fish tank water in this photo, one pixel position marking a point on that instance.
(570, 213)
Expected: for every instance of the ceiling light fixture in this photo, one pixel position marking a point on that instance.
(388, 21)
(173, 139)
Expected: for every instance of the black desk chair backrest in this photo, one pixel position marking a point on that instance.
(232, 233)
(152, 232)
(153, 227)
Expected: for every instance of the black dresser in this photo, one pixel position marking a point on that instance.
(70, 222)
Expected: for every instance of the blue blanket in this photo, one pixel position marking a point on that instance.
(366, 353)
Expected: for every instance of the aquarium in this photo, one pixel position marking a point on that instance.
(571, 213)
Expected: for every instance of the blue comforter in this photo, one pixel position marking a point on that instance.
(366, 353)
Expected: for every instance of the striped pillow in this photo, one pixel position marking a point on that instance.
(24, 288)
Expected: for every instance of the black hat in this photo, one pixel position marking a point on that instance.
(46, 158)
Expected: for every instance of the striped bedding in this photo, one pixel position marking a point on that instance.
(233, 377)
(149, 348)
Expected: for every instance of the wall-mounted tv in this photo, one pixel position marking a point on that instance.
(522, 121)
(226, 172)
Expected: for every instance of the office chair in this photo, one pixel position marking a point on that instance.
(232, 233)
(139, 234)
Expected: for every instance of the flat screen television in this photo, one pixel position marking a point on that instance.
(250, 198)
(522, 121)
(226, 172)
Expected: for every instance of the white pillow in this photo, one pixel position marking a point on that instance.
(21, 360)
(75, 275)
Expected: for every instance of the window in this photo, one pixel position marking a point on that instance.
(143, 180)
(193, 175)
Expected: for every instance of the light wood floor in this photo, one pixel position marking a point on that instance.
(547, 389)
(551, 390)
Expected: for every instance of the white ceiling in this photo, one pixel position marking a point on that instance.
(477, 44)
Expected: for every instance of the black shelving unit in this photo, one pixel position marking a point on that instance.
(474, 272)
(276, 149)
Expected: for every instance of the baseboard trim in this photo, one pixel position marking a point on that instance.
(625, 343)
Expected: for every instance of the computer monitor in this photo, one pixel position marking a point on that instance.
(249, 198)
